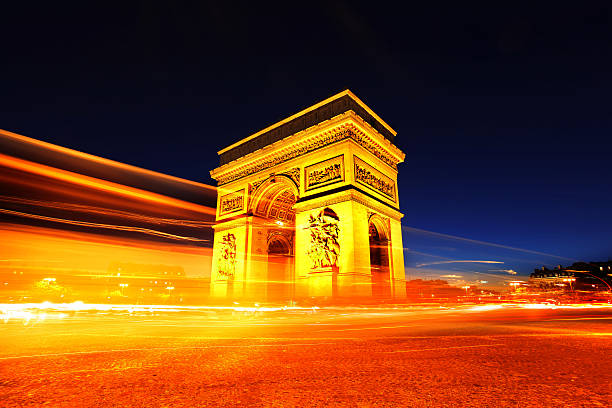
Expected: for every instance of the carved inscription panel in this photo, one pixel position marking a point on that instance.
(326, 172)
(374, 179)
(232, 202)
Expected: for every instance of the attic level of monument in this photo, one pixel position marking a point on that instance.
(309, 208)
(347, 125)
(340, 103)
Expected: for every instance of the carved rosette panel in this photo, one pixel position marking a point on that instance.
(227, 255)
(324, 248)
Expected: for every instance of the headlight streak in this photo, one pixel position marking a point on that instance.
(27, 312)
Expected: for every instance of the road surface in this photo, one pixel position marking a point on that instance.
(469, 356)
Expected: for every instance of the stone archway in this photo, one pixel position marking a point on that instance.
(280, 266)
(306, 187)
(379, 257)
(272, 208)
(274, 199)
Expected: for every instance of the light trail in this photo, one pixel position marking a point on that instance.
(100, 307)
(104, 226)
(99, 184)
(47, 307)
(474, 241)
(96, 159)
(412, 251)
(107, 212)
(457, 261)
(508, 271)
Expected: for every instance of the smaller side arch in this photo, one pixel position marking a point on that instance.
(380, 267)
(381, 225)
(278, 244)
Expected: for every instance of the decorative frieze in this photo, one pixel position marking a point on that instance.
(311, 145)
(374, 179)
(323, 173)
(232, 202)
(373, 148)
(350, 195)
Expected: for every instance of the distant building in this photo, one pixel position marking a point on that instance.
(580, 276)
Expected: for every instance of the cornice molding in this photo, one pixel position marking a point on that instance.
(321, 112)
(349, 195)
(350, 126)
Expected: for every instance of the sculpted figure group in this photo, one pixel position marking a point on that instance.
(324, 244)
(227, 255)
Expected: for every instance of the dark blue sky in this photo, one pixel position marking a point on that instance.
(504, 113)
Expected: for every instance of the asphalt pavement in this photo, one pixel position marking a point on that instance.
(469, 356)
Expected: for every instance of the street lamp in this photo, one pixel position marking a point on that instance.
(123, 286)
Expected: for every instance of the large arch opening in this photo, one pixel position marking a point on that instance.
(279, 280)
(273, 204)
(379, 259)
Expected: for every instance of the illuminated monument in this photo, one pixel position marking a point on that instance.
(308, 207)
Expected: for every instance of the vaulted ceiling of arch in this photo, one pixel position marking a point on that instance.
(281, 207)
(277, 205)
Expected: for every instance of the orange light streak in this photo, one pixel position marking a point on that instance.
(106, 211)
(101, 160)
(99, 225)
(83, 259)
(103, 185)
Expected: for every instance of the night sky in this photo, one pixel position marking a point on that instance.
(504, 113)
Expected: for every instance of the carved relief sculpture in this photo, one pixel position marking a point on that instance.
(327, 172)
(227, 255)
(232, 202)
(324, 244)
(374, 179)
(293, 174)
